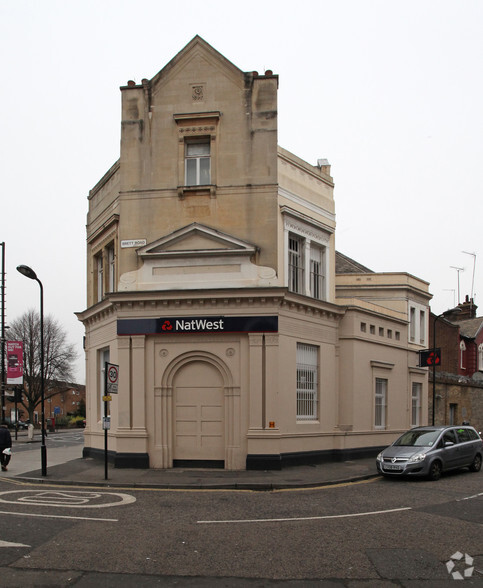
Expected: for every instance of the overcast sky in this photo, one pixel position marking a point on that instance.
(390, 92)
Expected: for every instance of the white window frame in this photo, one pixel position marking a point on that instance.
(418, 324)
(111, 264)
(462, 355)
(199, 160)
(296, 268)
(416, 395)
(480, 357)
(306, 269)
(380, 403)
(317, 271)
(100, 275)
(307, 382)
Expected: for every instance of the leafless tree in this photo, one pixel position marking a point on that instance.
(59, 356)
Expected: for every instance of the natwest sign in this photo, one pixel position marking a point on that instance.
(210, 324)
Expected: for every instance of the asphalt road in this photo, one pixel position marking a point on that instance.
(374, 533)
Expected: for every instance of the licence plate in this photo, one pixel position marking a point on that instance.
(395, 468)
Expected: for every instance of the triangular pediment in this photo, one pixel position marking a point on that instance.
(202, 52)
(196, 240)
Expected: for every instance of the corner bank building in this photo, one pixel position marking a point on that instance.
(243, 339)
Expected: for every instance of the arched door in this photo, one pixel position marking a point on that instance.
(198, 427)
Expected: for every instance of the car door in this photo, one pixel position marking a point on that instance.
(450, 449)
(466, 446)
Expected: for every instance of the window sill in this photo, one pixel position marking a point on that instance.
(209, 190)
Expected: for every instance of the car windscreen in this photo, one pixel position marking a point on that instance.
(425, 438)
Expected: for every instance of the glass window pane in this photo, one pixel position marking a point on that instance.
(191, 172)
(204, 170)
(197, 149)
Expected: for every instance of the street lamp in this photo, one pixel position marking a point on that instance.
(29, 273)
(446, 313)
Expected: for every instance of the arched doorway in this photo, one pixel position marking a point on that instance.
(198, 415)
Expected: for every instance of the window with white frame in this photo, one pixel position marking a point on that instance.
(307, 382)
(462, 355)
(197, 162)
(111, 267)
(306, 248)
(99, 261)
(417, 324)
(317, 271)
(296, 254)
(480, 357)
(380, 405)
(416, 393)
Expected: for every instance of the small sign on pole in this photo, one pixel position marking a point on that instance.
(112, 372)
(111, 378)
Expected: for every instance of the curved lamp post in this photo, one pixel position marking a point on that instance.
(29, 273)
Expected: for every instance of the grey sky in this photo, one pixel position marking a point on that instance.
(390, 92)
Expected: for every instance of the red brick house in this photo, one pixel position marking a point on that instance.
(459, 377)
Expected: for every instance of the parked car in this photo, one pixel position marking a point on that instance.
(22, 425)
(430, 451)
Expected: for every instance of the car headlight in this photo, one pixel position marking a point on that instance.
(379, 457)
(417, 458)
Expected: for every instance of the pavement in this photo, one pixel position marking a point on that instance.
(65, 465)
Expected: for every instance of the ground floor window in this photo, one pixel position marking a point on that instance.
(380, 403)
(307, 382)
(416, 404)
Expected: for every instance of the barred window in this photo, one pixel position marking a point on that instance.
(296, 264)
(307, 382)
(317, 272)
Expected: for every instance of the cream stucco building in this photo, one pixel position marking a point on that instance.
(243, 339)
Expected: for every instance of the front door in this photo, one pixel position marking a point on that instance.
(199, 428)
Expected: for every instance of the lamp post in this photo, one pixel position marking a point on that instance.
(29, 273)
(446, 313)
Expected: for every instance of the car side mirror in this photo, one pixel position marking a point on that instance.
(448, 443)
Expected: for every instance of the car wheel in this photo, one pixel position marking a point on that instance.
(435, 470)
(476, 464)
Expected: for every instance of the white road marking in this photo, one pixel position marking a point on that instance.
(45, 516)
(65, 499)
(341, 516)
(470, 497)
(8, 544)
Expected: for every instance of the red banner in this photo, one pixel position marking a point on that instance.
(14, 363)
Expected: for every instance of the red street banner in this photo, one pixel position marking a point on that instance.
(15, 362)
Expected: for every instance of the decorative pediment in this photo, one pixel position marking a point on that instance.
(196, 240)
(197, 257)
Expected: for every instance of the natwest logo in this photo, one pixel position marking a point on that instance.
(199, 325)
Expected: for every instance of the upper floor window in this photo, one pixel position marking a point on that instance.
(306, 257)
(99, 261)
(462, 355)
(480, 357)
(104, 272)
(417, 324)
(197, 162)
(317, 271)
(296, 263)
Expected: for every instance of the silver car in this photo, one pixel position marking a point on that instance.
(430, 451)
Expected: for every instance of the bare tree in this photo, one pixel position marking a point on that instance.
(59, 356)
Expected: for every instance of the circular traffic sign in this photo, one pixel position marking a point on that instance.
(113, 374)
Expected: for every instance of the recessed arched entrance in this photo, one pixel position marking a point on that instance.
(199, 415)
